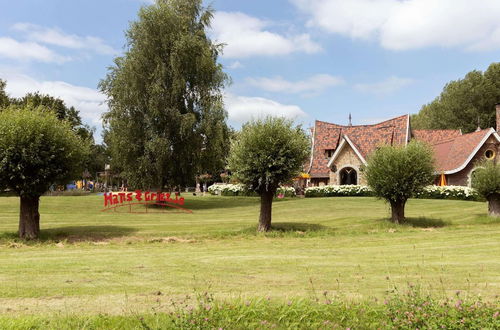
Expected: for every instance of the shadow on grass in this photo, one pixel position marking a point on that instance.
(203, 203)
(295, 226)
(423, 222)
(76, 233)
(286, 229)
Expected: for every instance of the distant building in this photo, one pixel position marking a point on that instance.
(339, 152)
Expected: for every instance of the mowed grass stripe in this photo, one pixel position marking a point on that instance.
(341, 245)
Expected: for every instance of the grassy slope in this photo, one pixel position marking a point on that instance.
(111, 262)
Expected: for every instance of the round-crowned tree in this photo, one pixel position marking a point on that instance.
(397, 173)
(486, 181)
(36, 150)
(265, 154)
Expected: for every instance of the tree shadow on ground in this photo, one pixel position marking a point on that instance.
(201, 203)
(297, 226)
(77, 233)
(280, 229)
(423, 222)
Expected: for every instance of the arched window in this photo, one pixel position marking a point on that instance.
(348, 175)
(471, 176)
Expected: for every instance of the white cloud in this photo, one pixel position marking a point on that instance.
(384, 87)
(246, 36)
(314, 84)
(235, 65)
(56, 37)
(242, 108)
(88, 101)
(28, 51)
(410, 24)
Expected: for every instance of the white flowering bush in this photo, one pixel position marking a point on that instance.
(335, 190)
(431, 192)
(286, 191)
(228, 189)
(449, 192)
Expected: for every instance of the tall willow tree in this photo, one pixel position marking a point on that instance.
(166, 119)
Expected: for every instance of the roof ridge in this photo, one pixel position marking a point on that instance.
(367, 125)
(436, 129)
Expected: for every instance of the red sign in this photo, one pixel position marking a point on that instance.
(164, 199)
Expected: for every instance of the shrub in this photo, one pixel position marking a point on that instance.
(334, 190)
(449, 192)
(228, 189)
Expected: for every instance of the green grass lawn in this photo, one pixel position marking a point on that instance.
(92, 262)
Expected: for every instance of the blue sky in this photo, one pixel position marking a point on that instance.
(305, 59)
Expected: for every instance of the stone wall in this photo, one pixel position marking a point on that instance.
(346, 158)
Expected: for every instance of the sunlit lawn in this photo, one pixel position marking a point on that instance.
(91, 261)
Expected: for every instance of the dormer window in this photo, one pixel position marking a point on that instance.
(329, 153)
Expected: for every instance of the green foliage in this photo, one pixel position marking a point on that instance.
(268, 153)
(336, 190)
(486, 178)
(166, 120)
(463, 104)
(412, 310)
(398, 173)
(229, 189)
(57, 105)
(36, 150)
(4, 99)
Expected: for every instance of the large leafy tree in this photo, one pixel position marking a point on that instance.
(397, 173)
(265, 154)
(486, 181)
(59, 107)
(166, 120)
(464, 104)
(36, 150)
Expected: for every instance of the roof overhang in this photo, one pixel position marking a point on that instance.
(345, 141)
(408, 132)
(313, 138)
(491, 132)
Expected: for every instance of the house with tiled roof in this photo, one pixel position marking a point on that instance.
(339, 152)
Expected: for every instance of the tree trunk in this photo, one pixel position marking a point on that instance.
(29, 218)
(266, 204)
(398, 211)
(494, 205)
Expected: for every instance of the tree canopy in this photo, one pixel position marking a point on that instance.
(36, 150)
(4, 98)
(166, 120)
(61, 110)
(464, 104)
(397, 173)
(265, 154)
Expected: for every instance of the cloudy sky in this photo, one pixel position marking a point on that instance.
(305, 59)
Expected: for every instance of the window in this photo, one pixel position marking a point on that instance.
(489, 154)
(348, 176)
(329, 153)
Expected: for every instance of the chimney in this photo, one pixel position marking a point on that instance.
(498, 116)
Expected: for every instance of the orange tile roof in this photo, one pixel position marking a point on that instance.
(366, 138)
(432, 136)
(451, 154)
(451, 148)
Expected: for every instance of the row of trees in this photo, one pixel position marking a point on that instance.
(463, 104)
(166, 124)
